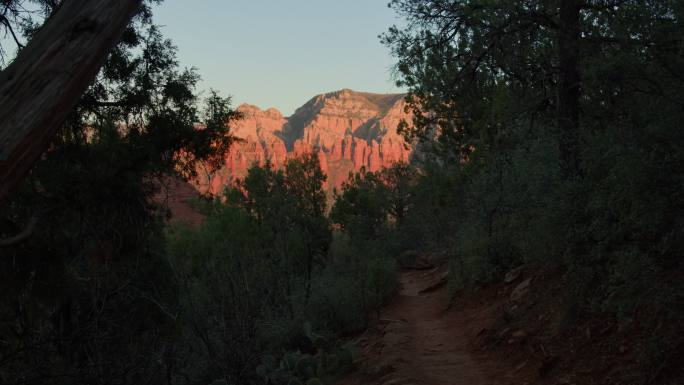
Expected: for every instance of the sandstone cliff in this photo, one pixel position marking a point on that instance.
(348, 129)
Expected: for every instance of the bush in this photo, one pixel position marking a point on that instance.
(260, 267)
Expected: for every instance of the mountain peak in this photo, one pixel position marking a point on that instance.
(247, 109)
(349, 129)
(381, 102)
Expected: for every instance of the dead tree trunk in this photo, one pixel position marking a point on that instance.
(42, 86)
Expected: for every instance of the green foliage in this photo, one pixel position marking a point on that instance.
(90, 297)
(264, 294)
(102, 293)
(362, 207)
(486, 84)
(355, 283)
(309, 369)
(264, 288)
(291, 204)
(371, 204)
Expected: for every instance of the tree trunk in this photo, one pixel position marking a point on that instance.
(43, 85)
(569, 91)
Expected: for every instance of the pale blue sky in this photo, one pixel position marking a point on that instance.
(280, 53)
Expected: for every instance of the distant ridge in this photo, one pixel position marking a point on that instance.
(348, 130)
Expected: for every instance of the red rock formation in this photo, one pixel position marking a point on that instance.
(347, 142)
(349, 130)
(358, 156)
(374, 162)
(178, 195)
(337, 148)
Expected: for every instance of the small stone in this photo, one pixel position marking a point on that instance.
(519, 334)
(521, 290)
(513, 274)
(517, 337)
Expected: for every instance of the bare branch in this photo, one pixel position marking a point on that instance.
(8, 27)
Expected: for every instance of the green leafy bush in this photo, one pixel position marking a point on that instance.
(263, 264)
(308, 368)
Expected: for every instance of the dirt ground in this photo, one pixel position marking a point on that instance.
(419, 340)
(511, 332)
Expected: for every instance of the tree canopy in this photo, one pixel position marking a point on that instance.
(551, 135)
(485, 68)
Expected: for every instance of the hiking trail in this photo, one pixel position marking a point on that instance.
(418, 340)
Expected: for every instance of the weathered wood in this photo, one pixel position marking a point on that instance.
(42, 86)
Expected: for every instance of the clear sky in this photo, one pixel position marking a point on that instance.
(280, 53)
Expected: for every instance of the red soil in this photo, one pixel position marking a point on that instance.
(484, 336)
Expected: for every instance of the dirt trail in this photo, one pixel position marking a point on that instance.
(417, 341)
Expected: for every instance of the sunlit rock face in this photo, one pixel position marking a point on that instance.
(347, 129)
(178, 197)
